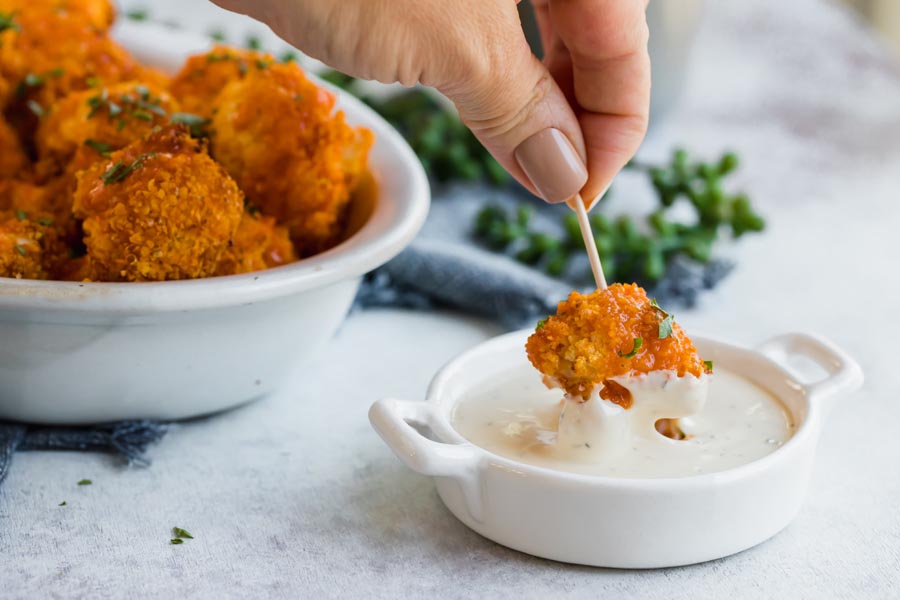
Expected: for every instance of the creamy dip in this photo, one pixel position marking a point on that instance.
(732, 422)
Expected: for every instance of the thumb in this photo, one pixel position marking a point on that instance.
(513, 105)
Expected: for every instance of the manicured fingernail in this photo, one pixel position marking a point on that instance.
(552, 165)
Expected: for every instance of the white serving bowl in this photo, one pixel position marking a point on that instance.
(617, 522)
(86, 352)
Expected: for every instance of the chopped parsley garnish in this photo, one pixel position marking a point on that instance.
(638, 342)
(33, 80)
(102, 148)
(253, 43)
(63, 503)
(45, 221)
(665, 327)
(85, 482)
(142, 107)
(288, 56)
(656, 305)
(262, 65)
(218, 35)
(541, 323)
(119, 171)
(213, 57)
(21, 215)
(20, 250)
(195, 123)
(178, 532)
(709, 365)
(8, 22)
(176, 541)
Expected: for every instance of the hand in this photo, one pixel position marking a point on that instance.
(594, 85)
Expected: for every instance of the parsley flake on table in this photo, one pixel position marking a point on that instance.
(176, 541)
(85, 482)
(178, 532)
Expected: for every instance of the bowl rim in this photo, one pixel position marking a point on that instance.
(806, 431)
(394, 222)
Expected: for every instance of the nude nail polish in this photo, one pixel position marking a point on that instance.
(552, 164)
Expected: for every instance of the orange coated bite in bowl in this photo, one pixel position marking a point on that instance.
(295, 157)
(158, 209)
(618, 331)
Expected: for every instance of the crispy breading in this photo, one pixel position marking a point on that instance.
(259, 243)
(158, 209)
(99, 14)
(105, 119)
(28, 249)
(294, 156)
(203, 76)
(48, 53)
(592, 337)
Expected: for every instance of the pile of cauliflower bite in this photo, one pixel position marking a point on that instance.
(113, 171)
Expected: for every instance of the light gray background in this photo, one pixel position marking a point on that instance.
(296, 496)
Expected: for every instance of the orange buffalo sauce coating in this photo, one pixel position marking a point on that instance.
(590, 338)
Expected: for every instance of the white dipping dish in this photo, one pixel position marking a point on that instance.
(88, 352)
(620, 522)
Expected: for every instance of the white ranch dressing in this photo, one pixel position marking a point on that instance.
(519, 418)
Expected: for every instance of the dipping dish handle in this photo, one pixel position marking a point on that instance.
(844, 375)
(391, 418)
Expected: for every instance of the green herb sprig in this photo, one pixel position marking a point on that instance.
(638, 342)
(119, 171)
(8, 22)
(629, 251)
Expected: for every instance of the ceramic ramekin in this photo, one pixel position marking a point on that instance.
(87, 352)
(615, 522)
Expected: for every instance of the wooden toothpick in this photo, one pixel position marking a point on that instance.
(590, 245)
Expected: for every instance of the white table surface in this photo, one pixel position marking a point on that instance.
(295, 496)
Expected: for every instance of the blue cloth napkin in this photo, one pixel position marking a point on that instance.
(442, 267)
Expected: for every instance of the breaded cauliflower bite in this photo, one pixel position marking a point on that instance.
(258, 244)
(609, 333)
(279, 136)
(47, 51)
(203, 76)
(28, 248)
(99, 14)
(104, 119)
(158, 209)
